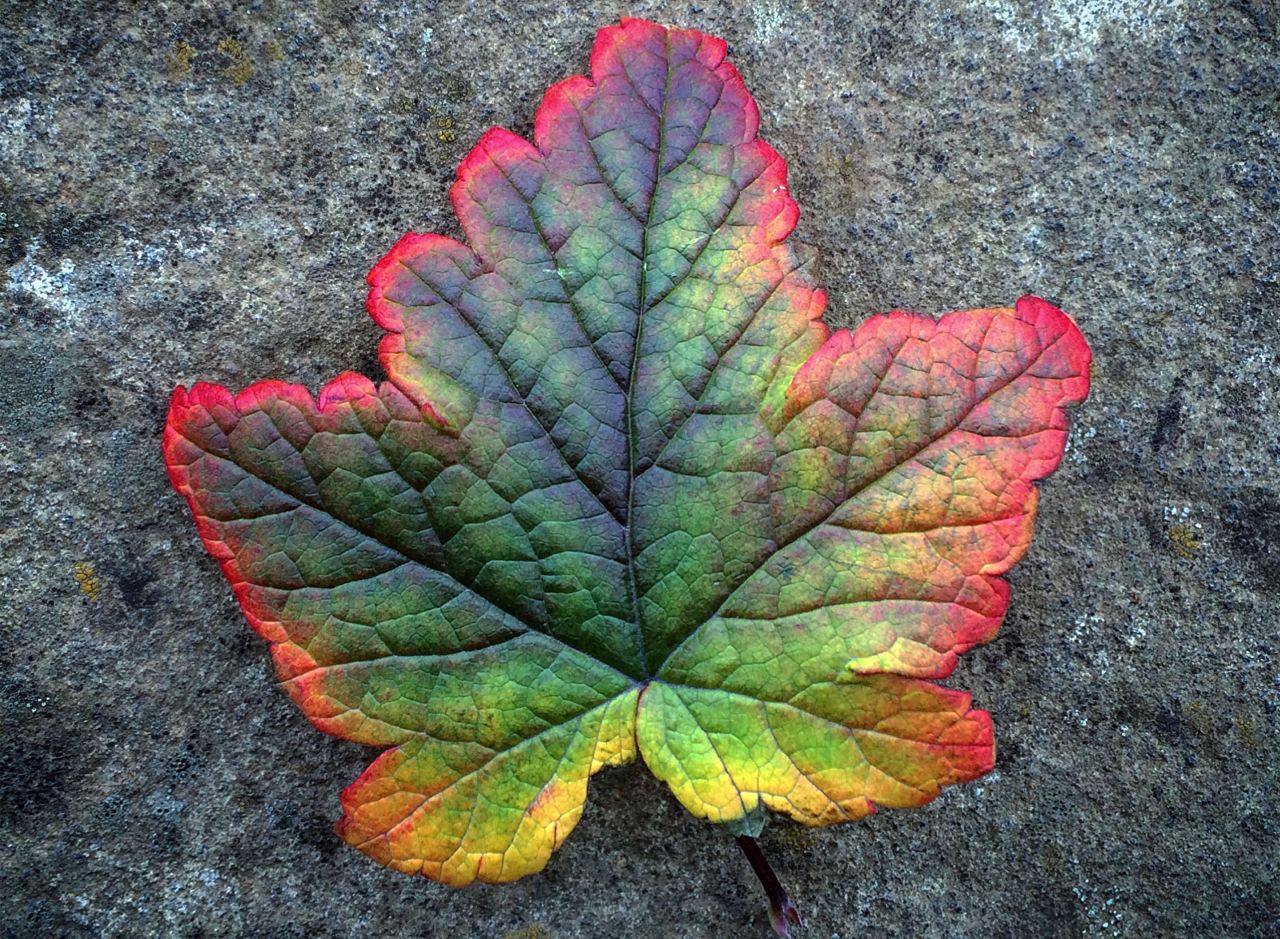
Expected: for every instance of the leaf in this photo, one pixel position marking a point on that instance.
(624, 492)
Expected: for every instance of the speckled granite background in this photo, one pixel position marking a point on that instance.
(196, 191)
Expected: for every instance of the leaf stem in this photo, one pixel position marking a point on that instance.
(782, 912)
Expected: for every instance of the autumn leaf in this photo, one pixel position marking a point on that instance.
(625, 493)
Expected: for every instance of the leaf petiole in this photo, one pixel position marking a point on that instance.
(782, 912)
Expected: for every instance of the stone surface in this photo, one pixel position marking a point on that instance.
(196, 191)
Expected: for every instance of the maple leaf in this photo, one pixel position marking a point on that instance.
(625, 493)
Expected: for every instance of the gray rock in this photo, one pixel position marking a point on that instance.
(195, 191)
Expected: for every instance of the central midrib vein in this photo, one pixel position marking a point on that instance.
(641, 300)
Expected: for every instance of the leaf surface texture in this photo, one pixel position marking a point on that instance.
(624, 492)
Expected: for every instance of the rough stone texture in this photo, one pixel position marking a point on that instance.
(196, 191)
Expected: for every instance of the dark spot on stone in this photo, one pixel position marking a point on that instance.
(113, 810)
(90, 405)
(367, 364)
(165, 837)
(316, 831)
(1054, 914)
(1252, 520)
(16, 79)
(82, 46)
(1009, 753)
(134, 578)
(35, 772)
(1160, 717)
(41, 916)
(176, 180)
(57, 229)
(176, 766)
(64, 231)
(1167, 420)
(241, 643)
(1157, 533)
